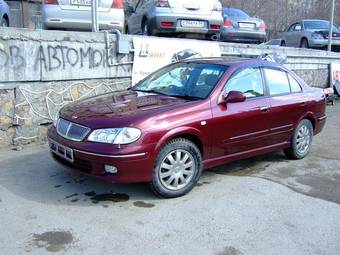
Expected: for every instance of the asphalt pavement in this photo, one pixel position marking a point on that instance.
(263, 205)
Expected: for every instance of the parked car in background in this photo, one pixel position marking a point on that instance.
(310, 34)
(76, 14)
(186, 117)
(175, 17)
(4, 14)
(240, 27)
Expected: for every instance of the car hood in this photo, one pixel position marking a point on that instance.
(122, 108)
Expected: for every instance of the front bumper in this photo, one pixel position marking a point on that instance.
(134, 164)
(320, 43)
(212, 20)
(234, 35)
(56, 17)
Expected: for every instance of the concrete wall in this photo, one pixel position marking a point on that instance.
(40, 71)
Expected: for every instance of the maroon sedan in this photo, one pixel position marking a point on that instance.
(189, 116)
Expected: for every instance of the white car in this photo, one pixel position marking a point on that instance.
(76, 14)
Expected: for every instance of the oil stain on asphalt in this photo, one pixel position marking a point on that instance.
(110, 197)
(229, 250)
(143, 204)
(53, 241)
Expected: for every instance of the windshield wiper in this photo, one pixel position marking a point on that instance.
(150, 91)
(187, 97)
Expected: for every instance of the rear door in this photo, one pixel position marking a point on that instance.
(287, 104)
(288, 35)
(242, 127)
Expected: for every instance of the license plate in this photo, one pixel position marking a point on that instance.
(246, 25)
(61, 150)
(193, 23)
(81, 2)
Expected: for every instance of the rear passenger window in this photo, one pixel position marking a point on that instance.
(277, 82)
(247, 81)
(294, 85)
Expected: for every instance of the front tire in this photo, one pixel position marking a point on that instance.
(4, 23)
(301, 141)
(304, 44)
(146, 28)
(177, 169)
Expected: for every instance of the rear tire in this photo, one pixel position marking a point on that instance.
(301, 141)
(177, 169)
(4, 23)
(146, 28)
(283, 44)
(304, 44)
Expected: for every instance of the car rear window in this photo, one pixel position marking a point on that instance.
(235, 13)
(294, 85)
(277, 82)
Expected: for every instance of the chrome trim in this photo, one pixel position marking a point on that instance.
(112, 156)
(282, 127)
(322, 118)
(70, 124)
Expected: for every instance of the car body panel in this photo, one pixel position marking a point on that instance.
(68, 16)
(198, 11)
(244, 28)
(223, 132)
(316, 38)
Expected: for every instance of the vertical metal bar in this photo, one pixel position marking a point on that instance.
(94, 16)
(330, 34)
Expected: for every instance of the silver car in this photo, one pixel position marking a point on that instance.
(76, 14)
(310, 34)
(155, 17)
(4, 14)
(240, 27)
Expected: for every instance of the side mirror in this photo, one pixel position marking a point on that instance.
(232, 97)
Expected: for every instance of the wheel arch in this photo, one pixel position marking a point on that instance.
(6, 17)
(188, 133)
(311, 117)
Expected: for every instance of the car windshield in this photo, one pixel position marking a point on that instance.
(190, 81)
(318, 25)
(234, 13)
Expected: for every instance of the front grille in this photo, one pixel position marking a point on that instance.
(71, 131)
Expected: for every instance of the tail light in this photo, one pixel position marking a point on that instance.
(215, 27)
(228, 24)
(217, 7)
(263, 25)
(167, 24)
(162, 3)
(117, 4)
(51, 1)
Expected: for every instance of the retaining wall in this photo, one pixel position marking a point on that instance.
(40, 71)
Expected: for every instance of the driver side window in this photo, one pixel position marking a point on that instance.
(248, 81)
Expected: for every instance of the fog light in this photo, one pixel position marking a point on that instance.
(110, 169)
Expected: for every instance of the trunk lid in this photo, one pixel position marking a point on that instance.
(85, 5)
(197, 7)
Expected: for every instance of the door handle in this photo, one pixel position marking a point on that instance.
(264, 108)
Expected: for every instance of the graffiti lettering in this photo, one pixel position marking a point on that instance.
(51, 58)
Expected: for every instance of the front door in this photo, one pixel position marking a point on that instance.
(242, 127)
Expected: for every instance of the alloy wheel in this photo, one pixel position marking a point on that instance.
(177, 169)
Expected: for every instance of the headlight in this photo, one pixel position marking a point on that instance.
(55, 119)
(317, 36)
(115, 135)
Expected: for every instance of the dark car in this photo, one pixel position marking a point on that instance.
(186, 117)
(240, 27)
(310, 34)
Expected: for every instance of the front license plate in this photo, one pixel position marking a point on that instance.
(192, 23)
(61, 150)
(246, 25)
(81, 2)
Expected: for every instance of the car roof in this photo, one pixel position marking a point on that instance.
(230, 61)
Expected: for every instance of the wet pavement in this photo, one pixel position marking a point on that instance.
(262, 205)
